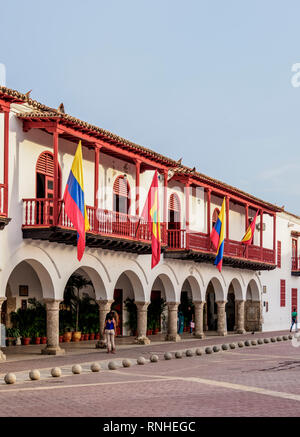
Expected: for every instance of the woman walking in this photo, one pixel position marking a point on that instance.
(110, 330)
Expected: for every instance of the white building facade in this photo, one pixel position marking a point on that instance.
(39, 254)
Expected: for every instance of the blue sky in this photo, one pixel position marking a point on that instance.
(206, 80)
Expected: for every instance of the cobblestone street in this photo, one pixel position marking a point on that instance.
(260, 380)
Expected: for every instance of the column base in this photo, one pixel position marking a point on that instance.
(142, 339)
(172, 337)
(241, 331)
(201, 335)
(2, 356)
(222, 333)
(53, 350)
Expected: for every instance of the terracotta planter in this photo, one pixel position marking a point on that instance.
(149, 331)
(97, 337)
(26, 341)
(82, 337)
(76, 336)
(67, 337)
(37, 340)
(61, 338)
(86, 337)
(92, 336)
(156, 331)
(43, 340)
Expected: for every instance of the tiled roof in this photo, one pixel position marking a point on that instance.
(43, 111)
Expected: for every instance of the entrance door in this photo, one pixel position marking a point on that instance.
(117, 306)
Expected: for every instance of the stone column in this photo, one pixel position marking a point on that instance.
(240, 317)
(172, 322)
(222, 328)
(199, 319)
(2, 331)
(52, 348)
(142, 322)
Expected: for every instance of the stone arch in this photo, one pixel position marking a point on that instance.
(43, 265)
(194, 286)
(214, 293)
(100, 288)
(168, 287)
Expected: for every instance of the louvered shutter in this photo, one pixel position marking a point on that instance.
(45, 164)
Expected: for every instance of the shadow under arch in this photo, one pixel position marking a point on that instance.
(253, 309)
(194, 287)
(168, 287)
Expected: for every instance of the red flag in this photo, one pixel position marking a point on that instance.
(247, 239)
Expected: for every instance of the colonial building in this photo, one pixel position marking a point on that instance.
(255, 290)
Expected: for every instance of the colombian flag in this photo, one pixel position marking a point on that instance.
(247, 239)
(151, 215)
(74, 201)
(217, 237)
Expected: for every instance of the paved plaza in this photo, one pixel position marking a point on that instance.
(261, 380)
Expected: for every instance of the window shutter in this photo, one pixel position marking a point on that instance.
(174, 203)
(294, 299)
(45, 164)
(282, 292)
(121, 187)
(279, 254)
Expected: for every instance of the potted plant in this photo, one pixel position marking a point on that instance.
(67, 335)
(12, 334)
(26, 336)
(37, 338)
(132, 315)
(61, 337)
(43, 336)
(86, 334)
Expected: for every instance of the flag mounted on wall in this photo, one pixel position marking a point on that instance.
(217, 237)
(74, 201)
(151, 215)
(248, 237)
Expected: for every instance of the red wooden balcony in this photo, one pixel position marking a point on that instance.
(108, 229)
(197, 246)
(295, 266)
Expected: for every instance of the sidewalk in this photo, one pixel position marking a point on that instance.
(28, 357)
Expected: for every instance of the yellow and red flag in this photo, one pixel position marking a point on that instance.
(247, 239)
(151, 215)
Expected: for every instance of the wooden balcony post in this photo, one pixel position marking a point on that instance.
(227, 217)
(137, 186)
(246, 226)
(6, 160)
(261, 233)
(165, 210)
(208, 210)
(187, 212)
(96, 186)
(55, 158)
(274, 237)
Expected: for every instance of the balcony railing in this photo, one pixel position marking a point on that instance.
(38, 213)
(179, 239)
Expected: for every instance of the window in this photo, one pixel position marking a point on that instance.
(279, 254)
(174, 212)
(282, 292)
(45, 187)
(121, 195)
